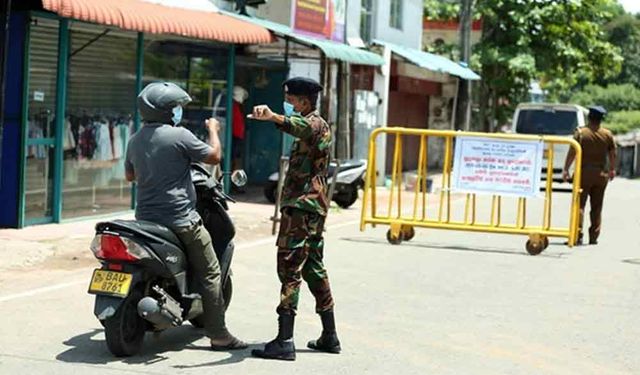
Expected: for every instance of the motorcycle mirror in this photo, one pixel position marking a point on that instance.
(239, 178)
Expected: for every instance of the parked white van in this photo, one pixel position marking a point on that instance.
(550, 119)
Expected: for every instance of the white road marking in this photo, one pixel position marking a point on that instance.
(34, 292)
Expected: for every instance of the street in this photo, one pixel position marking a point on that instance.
(444, 303)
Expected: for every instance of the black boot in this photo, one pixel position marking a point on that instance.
(328, 341)
(281, 347)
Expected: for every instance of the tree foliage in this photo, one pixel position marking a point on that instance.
(622, 122)
(441, 9)
(624, 32)
(613, 97)
(557, 42)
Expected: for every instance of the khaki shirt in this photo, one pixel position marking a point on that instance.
(596, 145)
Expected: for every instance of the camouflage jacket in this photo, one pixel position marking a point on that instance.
(305, 185)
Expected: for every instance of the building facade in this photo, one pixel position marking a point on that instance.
(73, 81)
(72, 78)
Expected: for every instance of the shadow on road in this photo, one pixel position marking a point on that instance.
(236, 356)
(86, 348)
(437, 246)
(632, 261)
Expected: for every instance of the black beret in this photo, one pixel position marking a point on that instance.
(301, 86)
(597, 111)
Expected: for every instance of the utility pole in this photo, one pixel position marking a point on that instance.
(343, 138)
(464, 89)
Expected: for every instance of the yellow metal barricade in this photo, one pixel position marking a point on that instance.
(403, 219)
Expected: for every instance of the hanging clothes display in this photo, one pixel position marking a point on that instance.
(68, 141)
(121, 133)
(38, 151)
(103, 149)
(116, 135)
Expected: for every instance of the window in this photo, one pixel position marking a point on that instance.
(199, 68)
(538, 121)
(101, 92)
(40, 129)
(395, 17)
(366, 17)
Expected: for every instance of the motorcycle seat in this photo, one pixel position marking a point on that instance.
(153, 229)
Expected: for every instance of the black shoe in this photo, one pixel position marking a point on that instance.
(593, 242)
(328, 341)
(282, 347)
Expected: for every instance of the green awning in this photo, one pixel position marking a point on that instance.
(333, 50)
(430, 61)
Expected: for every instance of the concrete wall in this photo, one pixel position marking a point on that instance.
(276, 10)
(411, 33)
(353, 21)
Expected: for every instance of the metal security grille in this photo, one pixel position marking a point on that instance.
(102, 73)
(43, 65)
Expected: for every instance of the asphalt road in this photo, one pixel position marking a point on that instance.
(445, 303)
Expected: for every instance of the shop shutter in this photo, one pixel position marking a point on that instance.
(102, 73)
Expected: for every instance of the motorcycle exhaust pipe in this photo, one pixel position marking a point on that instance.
(161, 315)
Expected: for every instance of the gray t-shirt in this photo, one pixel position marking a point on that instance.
(160, 156)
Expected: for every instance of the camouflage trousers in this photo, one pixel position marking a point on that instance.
(300, 252)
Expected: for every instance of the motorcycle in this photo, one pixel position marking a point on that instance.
(144, 283)
(350, 178)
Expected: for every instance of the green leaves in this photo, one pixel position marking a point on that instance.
(556, 42)
(613, 97)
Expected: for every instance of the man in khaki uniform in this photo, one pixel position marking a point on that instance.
(597, 143)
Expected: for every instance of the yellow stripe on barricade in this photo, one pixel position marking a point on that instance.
(419, 213)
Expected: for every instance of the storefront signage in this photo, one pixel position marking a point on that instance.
(497, 166)
(320, 18)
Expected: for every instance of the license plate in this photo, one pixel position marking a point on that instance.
(111, 283)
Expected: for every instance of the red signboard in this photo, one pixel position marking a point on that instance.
(310, 16)
(320, 18)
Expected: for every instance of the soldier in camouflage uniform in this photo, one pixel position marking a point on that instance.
(304, 210)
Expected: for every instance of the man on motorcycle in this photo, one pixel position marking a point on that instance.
(158, 159)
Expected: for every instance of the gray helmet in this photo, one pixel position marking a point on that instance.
(157, 100)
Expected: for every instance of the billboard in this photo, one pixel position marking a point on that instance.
(324, 19)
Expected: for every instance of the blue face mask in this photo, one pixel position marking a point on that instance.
(289, 109)
(177, 115)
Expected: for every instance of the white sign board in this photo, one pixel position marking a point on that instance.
(38, 96)
(497, 166)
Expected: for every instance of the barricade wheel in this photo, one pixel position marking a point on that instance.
(408, 232)
(535, 247)
(546, 242)
(393, 239)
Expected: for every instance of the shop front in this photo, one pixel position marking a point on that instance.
(65, 140)
(421, 93)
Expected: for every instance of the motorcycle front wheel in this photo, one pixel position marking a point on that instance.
(124, 331)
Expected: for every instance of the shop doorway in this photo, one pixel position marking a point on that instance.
(263, 142)
(40, 135)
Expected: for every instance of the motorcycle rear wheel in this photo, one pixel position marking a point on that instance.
(124, 331)
(270, 192)
(347, 198)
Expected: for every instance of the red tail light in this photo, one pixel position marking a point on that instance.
(113, 247)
